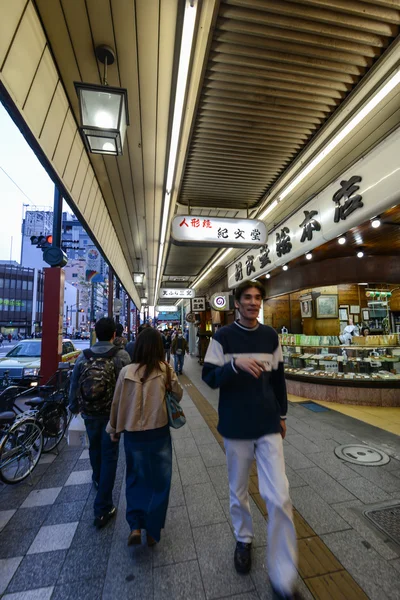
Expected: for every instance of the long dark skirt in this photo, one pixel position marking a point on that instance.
(148, 482)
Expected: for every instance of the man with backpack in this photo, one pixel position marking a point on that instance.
(92, 389)
(178, 348)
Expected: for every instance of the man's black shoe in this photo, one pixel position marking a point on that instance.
(102, 521)
(242, 558)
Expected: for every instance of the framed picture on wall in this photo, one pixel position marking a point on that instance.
(306, 308)
(327, 307)
(355, 310)
(355, 318)
(365, 315)
(343, 314)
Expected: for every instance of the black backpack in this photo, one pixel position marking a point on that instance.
(97, 382)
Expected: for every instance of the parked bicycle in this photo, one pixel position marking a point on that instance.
(48, 413)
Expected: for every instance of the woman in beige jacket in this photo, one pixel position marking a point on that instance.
(139, 410)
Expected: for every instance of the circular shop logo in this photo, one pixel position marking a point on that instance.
(220, 301)
(93, 254)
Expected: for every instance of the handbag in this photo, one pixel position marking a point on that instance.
(176, 416)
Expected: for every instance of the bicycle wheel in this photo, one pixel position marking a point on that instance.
(55, 422)
(20, 450)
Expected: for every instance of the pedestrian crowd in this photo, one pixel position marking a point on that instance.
(128, 388)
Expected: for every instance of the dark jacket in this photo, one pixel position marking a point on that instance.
(178, 342)
(121, 359)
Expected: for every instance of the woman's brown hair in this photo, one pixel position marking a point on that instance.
(148, 351)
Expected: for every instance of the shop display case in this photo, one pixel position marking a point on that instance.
(365, 365)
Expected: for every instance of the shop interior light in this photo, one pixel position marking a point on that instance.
(189, 21)
(375, 223)
(285, 267)
(268, 276)
(363, 284)
(143, 300)
(342, 240)
(360, 254)
(138, 278)
(309, 256)
(270, 207)
(376, 98)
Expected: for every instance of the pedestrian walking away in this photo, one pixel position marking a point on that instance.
(178, 348)
(92, 388)
(139, 410)
(244, 360)
(167, 346)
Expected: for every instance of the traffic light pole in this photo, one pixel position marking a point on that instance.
(53, 303)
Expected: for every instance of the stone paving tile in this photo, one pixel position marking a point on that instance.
(81, 590)
(319, 515)
(16, 542)
(196, 423)
(80, 564)
(302, 443)
(183, 432)
(364, 490)
(192, 411)
(176, 497)
(331, 464)
(295, 459)
(38, 594)
(176, 543)
(82, 465)
(377, 578)
(185, 448)
(219, 478)
(352, 513)
(203, 505)
(294, 478)
(65, 513)
(5, 516)
(12, 499)
(215, 545)
(203, 437)
(88, 536)
(212, 455)
(38, 570)
(247, 596)
(179, 581)
(79, 477)
(385, 480)
(53, 537)
(47, 458)
(52, 480)
(395, 564)
(8, 566)
(84, 454)
(192, 470)
(73, 493)
(29, 518)
(329, 489)
(41, 497)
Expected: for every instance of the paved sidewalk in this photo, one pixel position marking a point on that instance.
(49, 548)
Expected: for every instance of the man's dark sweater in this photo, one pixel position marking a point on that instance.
(248, 407)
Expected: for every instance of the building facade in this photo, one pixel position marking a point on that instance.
(21, 299)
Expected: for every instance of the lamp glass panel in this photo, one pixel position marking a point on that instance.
(100, 109)
(102, 144)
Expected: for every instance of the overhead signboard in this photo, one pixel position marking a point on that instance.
(199, 304)
(172, 293)
(369, 187)
(216, 231)
(166, 308)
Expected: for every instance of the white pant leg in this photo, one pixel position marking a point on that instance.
(239, 457)
(274, 489)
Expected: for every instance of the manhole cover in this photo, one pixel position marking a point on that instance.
(362, 455)
(387, 520)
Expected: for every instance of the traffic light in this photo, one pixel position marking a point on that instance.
(41, 241)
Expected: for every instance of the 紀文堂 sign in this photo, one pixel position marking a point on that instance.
(217, 231)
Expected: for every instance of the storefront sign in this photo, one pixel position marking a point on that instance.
(215, 231)
(177, 293)
(199, 304)
(10, 302)
(369, 187)
(221, 301)
(191, 317)
(93, 266)
(166, 308)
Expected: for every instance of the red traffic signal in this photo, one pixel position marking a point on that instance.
(42, 241)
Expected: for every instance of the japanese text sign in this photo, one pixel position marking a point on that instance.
(199, 304)
(216, 231)
(178, 293)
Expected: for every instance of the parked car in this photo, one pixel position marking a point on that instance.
(23, 361)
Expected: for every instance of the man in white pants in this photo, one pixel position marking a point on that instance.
(245, 361)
